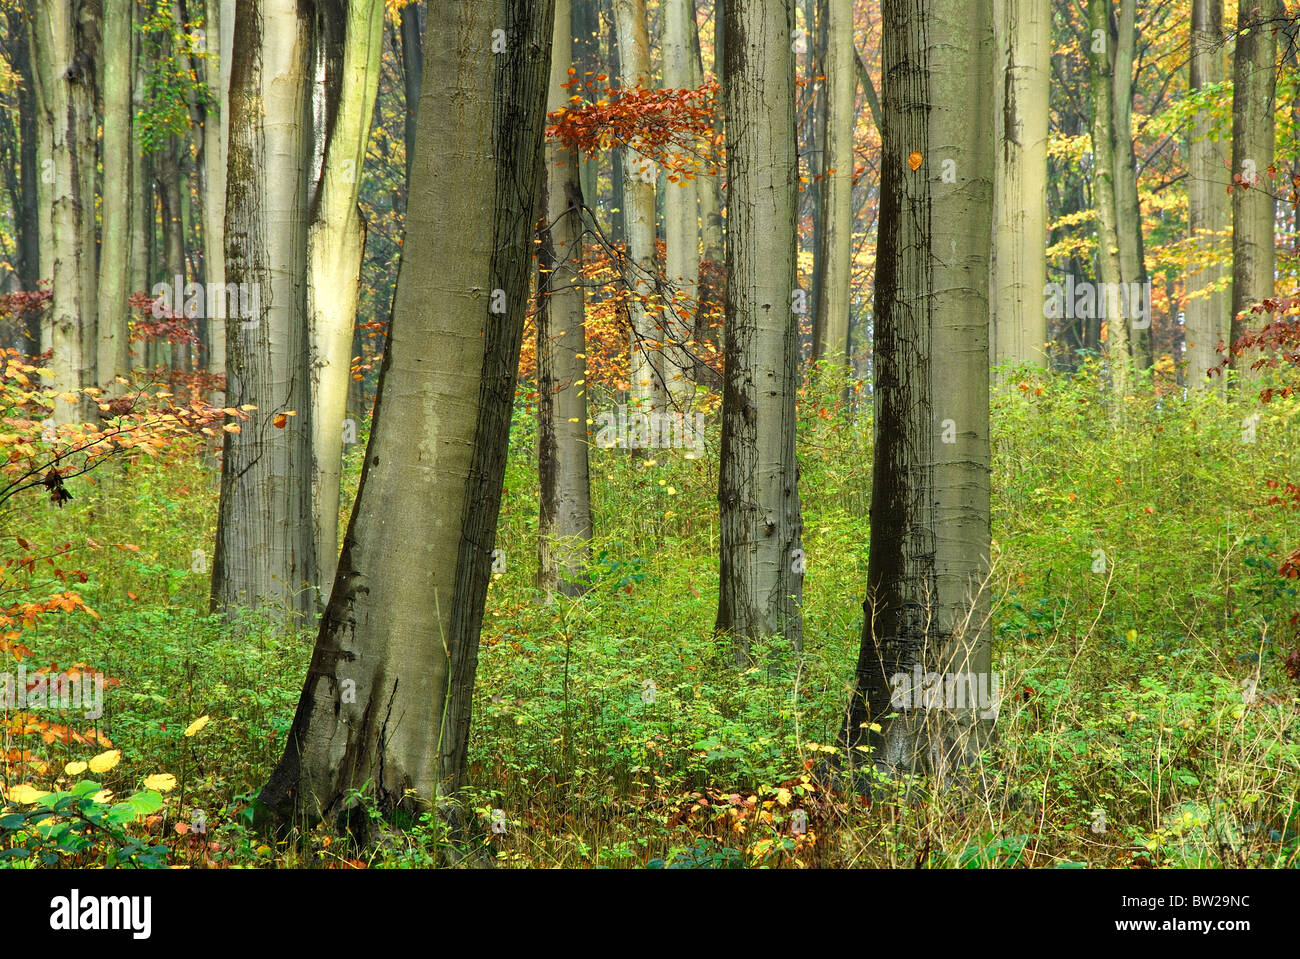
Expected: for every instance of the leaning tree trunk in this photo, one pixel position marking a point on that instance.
(835, 240)
(336, 242)
(412, 36)
(1018, 329)
(1254, 100)
(681, 217)
(386, 703)
(927, 604)
(265, 556)
(762, 563)
(564, 522)
(1103, 190)
(646, 366)
(1208, 298)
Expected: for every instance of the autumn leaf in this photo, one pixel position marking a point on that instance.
(195, 726)
(26, 794)
(105, 761)
(162, 782)
(914, 160)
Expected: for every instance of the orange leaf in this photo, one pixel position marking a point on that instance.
(914, 160)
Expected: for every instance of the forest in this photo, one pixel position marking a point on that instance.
(649, 434)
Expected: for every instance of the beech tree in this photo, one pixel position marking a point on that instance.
(564, 521)
(1018, 333)
(113, 354)
(926, 603)
(1254, 102)
(386, 703)
(265, 553)
(353, 34)
(835, 241)
(646, 373)
(762, 562)
(1208, 296)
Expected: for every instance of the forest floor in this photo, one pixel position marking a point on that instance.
(1142, 632)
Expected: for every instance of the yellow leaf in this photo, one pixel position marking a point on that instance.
(74, 769)
(105, 761)
(103, 797)
(195, 726)
(163, 782)
(26, 794)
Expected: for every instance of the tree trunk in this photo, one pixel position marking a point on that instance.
(564, 523)
(412, 33)
(1253, 104)
(265, 555)
(645, 358)
(28, 203)
(1208, 306)
(681, 218)
(1018, 332)
(114, 356)
(336, 242)
(927, 602)
(835, 242)
(219, 20)
(1103, 189)
(761, 581)
(62, 74)
(386, 703)
(1128, 211)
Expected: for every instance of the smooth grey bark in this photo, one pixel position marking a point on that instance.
(1128, 210)
(835, 237)
(412, 34)
(646, 335)
(114, 355)
(927, 602)
(336, 242)
(761, 559)
(1254, 102)
(265, 555)
(1018, 333)
(1208, 309)
(564, 525)
(386, 703)
(1104, 197)
(681, 218)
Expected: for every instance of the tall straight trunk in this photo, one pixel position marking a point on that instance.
(412, 34)
(265, 554)
(1128, 210)
(617, 217)
(927, 604)
(62, 88)
(219, 20)
(142, 202)
(168, 165)
(114, 355)
(28, 215)
(564, 525)
(761, 583)
(681, 217)
(709, 185)
(586, 61)
(1018, 333)
(645, 358)
(336, 242)
(386, 703)
(835, 242)
(1103, 193)
(1254, 101)
(814, 18)
(1209, 300)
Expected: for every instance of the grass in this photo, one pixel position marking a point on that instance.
(1141, 633)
